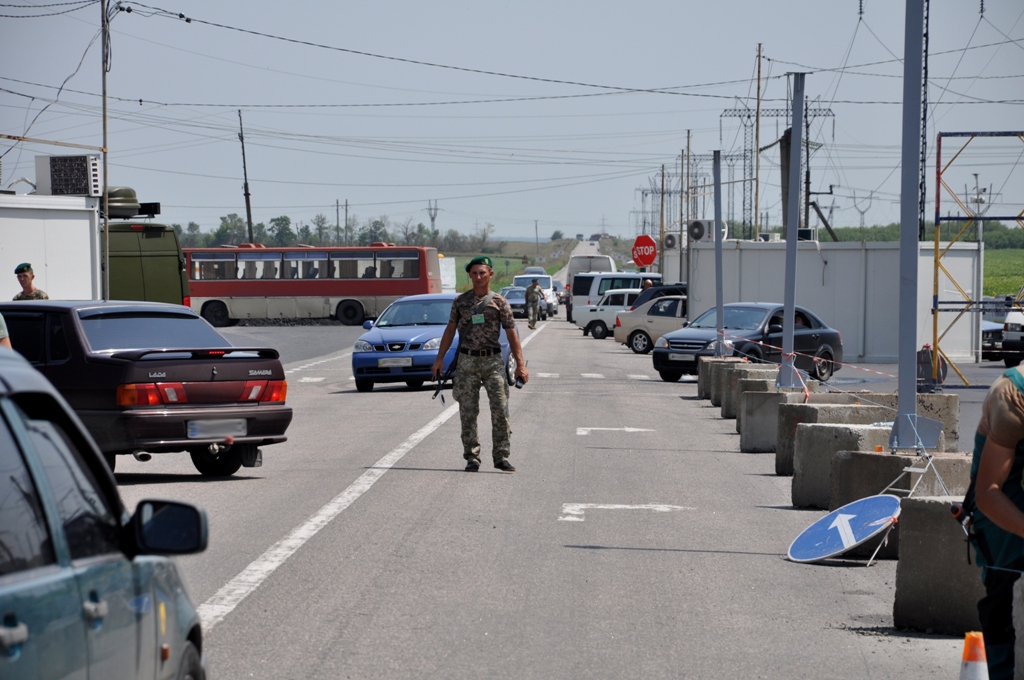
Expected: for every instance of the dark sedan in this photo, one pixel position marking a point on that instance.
(752, 330)
(156, 378)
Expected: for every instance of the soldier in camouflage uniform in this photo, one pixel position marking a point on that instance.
(478, 316)
(534, 294)
(25, 277)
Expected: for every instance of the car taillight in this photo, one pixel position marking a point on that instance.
(618, 324)
(145, 394)
(186, 301)
(253, 390)
(276, 391)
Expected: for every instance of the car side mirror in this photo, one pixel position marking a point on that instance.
(367, 325)
(169, 528)
(686, 323)
(775, 328)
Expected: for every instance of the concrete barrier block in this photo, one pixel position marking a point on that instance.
(733, 375)
(937, 591)
(791, 415)
(858, 474)
(814, 446)
(759, 423)
(942, 407)
(750, 385)
(716, 378)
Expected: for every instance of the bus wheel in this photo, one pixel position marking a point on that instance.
(216, 313)
(350, 313)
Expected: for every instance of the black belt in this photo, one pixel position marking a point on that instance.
(489, 352)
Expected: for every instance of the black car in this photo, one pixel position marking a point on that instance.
(155, 378)
(660, 291)
(752, 330)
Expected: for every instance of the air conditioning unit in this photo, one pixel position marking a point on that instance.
(704, 230)
(68, 176)
(671, 241)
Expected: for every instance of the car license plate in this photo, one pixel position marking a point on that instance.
(395, 361)
(690, 358)
(203, 429)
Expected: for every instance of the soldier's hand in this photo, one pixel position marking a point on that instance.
(438, 368)
(522, 372)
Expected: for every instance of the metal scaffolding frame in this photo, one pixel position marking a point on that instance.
(967, 304)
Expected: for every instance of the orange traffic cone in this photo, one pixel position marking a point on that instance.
(975, 665)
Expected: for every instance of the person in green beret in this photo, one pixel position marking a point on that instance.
(28, 290)
(479, 315)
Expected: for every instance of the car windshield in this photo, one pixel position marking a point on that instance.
(416, 313)
(142, 330)
(516, 294)
(736, 318)
(527, 280)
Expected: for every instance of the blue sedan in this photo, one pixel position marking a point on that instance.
(401, 345)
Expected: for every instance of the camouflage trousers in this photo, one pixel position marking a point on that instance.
(534, 310)
(489, 372)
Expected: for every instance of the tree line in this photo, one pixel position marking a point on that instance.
(997, 236)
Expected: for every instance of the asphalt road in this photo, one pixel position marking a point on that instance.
(362, 549)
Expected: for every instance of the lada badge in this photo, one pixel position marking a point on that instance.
(265, 371)
(158, 374)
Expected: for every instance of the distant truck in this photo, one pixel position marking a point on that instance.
(579, 264)
(62, 238)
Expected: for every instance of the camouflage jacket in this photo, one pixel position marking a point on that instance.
(37, 294)
(497, 315)
(534, 294)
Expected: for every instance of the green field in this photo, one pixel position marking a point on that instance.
(1004, 272)
(555, 254)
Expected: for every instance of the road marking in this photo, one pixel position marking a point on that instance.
(584, 431)
(311, 380)
(317, 363)
(842, 523)
(547, 375)
(534, 334)
(241, 586)
(592, 375)
(638, 377)
(573, 512)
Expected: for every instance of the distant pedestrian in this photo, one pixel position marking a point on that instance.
(479, 315)
(534, 295)
(648, 283)
(28, 290)
(997, 510)
(5, 337)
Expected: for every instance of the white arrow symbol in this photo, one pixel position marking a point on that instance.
(573, 512)
(588, 430)
(842, 522)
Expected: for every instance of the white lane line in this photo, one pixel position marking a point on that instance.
(317, 363)
(547, 375)
(573, 512)
(584, 431)
(534, 334)
(311, 380)
(597, 376)
(237, 589)
(638, 377)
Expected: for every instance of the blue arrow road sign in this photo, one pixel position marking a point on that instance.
(845, 528)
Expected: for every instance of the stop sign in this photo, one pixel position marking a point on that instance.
(644, 251)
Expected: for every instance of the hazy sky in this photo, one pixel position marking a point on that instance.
(325, 123)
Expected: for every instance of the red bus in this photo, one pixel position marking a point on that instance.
(351, 283)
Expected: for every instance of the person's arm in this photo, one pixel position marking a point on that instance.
(5, 342)
(517, 351)
(446, 341)
(996, 462)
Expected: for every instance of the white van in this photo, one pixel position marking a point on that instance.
(587, 289)
(1013, 338)
(579, 264)
(545, 281)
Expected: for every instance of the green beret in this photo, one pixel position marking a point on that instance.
(23, 268)
(483, 259)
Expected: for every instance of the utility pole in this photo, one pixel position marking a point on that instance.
(807, 170)
(337, 221)
(105, 29)
(432, 211)
(661, 227)
(245, 175)
(536, 236)
(757, 150)
(689, 216)
(346, 221)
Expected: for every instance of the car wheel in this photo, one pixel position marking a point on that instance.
(640, 342)
(1010, 362)
(510, 370)
(413, 384)
(823, 367)
(753, 353)
(670, 376)
(216, 313)
(599, 330)
(350, 313)
(363, 385)
(111, 458)
(224, 464)
(190, 667)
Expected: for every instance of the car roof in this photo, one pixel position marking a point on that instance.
(92, 307)
(623, 290)
(427, 297)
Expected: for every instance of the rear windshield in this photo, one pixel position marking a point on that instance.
(515, 294)
(110, 332)
(524, 281)
(581, 284)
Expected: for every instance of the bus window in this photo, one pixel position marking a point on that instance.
(353, 265)
(398, 264)
(316, 266)
(213, 266)
(259, 265)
